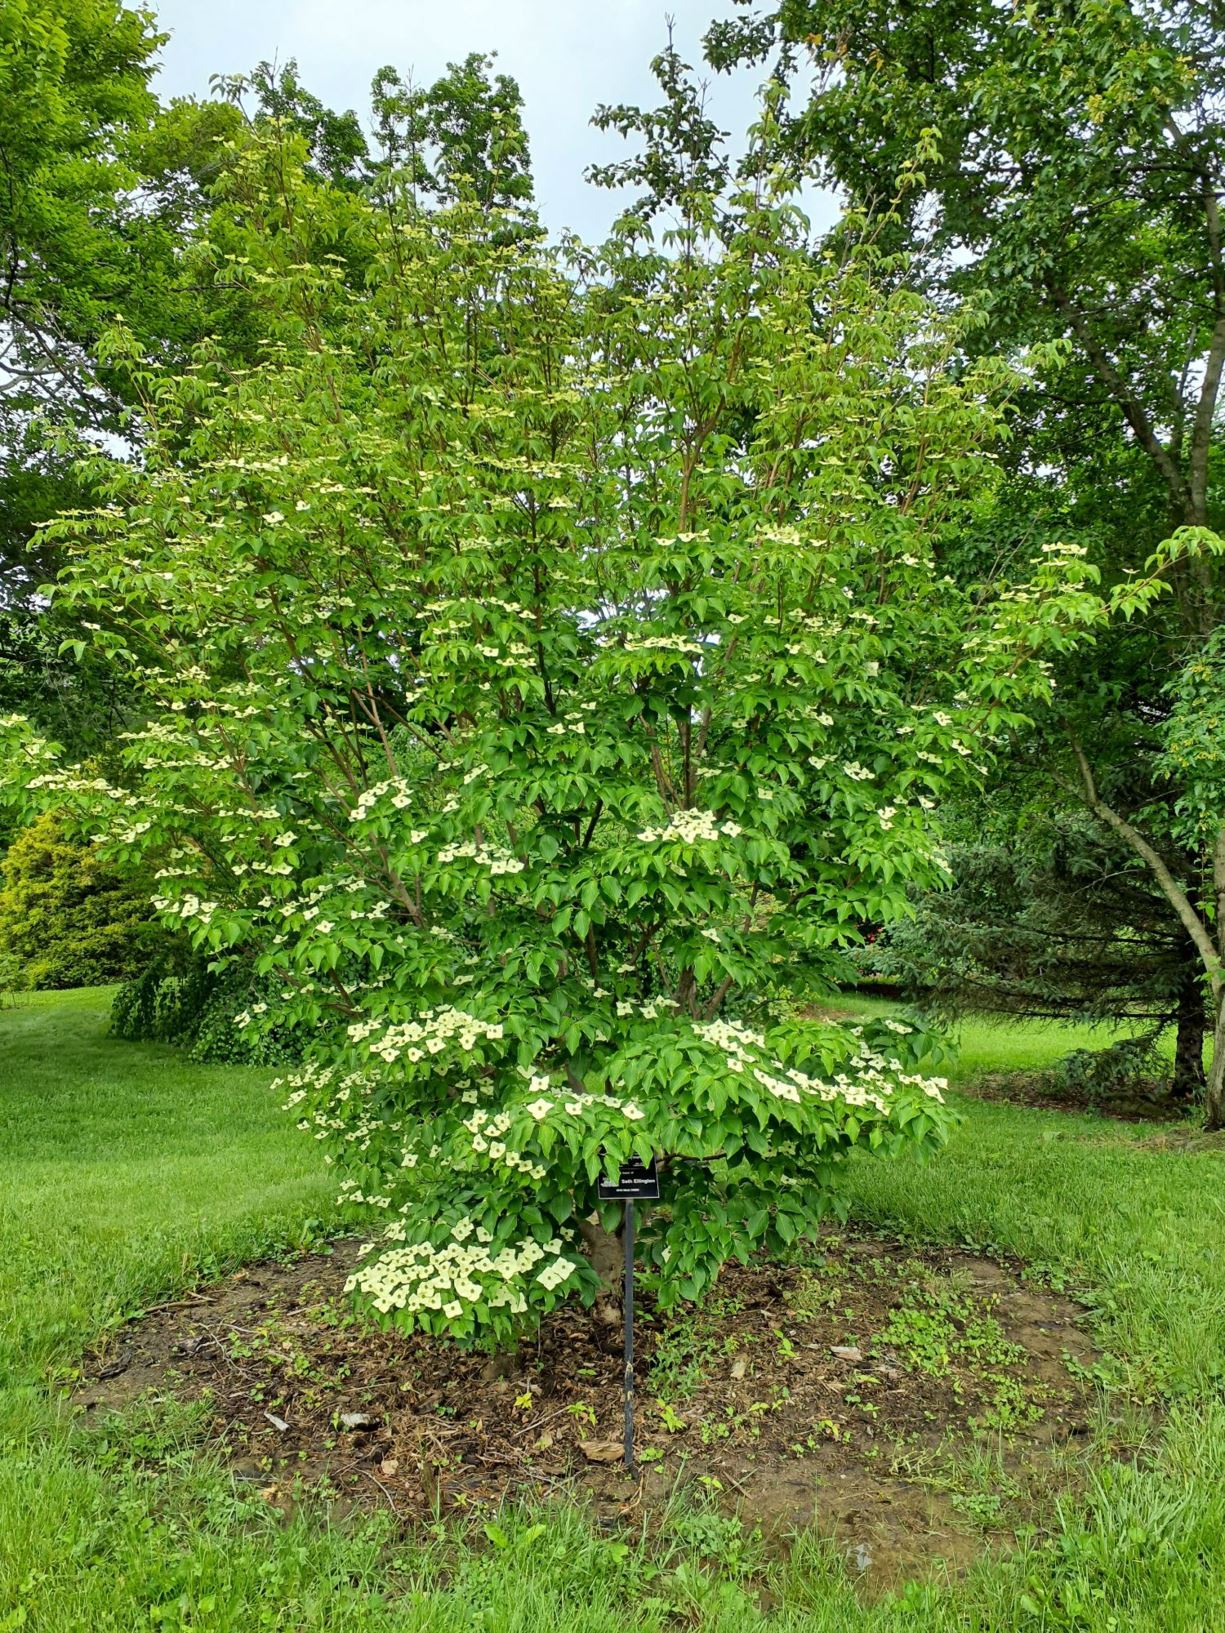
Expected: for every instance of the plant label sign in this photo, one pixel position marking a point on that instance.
(638, 1181)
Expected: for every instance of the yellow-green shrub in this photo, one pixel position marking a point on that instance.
(66, 918)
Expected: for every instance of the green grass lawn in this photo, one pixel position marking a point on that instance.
(128, 1172)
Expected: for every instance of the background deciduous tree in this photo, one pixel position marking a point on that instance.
(101, 193)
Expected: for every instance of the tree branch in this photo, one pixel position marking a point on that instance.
(1205, 415)
(1170, 887)
(716, 1001)
(1133, 409)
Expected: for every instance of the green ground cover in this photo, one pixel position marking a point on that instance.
(127, 1173)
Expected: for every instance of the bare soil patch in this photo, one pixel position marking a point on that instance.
(902, 1400)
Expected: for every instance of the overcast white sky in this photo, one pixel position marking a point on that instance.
(568, 55)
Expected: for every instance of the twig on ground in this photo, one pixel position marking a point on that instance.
(391, 1502)
(547, 1418)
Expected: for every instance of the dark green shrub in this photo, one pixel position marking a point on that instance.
(180, 999)
(1129, 1066)
(68, 919)
(164, 1003)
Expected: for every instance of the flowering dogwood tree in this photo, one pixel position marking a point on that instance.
(548, 664)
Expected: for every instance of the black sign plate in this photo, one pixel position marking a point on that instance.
(637, 1182)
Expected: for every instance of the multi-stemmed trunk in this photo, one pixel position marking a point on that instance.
(605, 1252)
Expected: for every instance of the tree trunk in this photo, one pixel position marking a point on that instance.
(605, 1252)
(1192, 1023)
(1214, 1094)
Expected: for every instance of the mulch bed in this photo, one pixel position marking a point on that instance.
(833, 1391)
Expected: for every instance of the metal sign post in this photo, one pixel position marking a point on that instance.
(629, 1334)
(637, 1182)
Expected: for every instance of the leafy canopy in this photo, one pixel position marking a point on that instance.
(548, 674)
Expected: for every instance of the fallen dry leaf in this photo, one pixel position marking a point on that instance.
(846, 1352)
(602, 1451)
(388, 1467)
